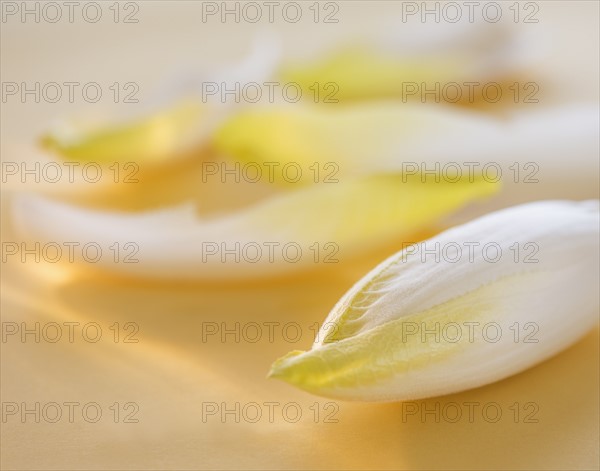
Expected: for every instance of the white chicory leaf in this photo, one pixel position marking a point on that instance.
(471, 306)
(322, 223)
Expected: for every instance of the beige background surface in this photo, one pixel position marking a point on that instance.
(170, 372)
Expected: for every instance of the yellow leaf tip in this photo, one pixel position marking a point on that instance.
(280, 367)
